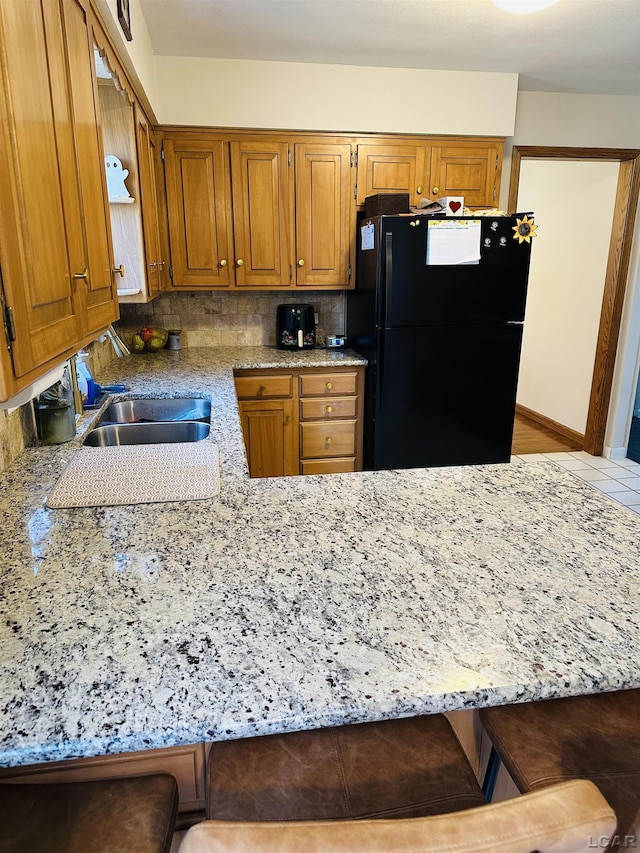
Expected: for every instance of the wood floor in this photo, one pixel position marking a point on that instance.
(531, 437)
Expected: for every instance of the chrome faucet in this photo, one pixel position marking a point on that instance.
(119, 346)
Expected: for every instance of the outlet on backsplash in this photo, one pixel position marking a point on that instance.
(228, 319)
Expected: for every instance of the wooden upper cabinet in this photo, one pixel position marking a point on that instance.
(325, 214)
(149, 200)
(471, 171)
(54, 235)
(199, 211)
(394, 168)
(100, 291)
(262, 213)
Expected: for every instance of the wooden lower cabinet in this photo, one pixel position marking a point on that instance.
(185, 763)
(304, 421)
(269, 437)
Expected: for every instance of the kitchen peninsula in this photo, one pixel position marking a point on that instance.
(299, 602)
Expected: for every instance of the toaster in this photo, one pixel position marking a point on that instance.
(295, 326)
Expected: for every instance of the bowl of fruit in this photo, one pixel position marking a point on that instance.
(149, 340)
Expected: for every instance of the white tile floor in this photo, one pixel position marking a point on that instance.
(618, 479)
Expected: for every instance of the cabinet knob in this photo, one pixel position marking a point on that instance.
(419, 190)
(118, 270)
(329, 386)
(301, 262)
(436, 190)
(239, 262)
(328, 440)
(262, 389)
(223, 262)
(287, 419)
(329, 409)
(83, 275)
(153, 265)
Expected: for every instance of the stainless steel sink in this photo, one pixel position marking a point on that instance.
(166, 432)
(156, 410)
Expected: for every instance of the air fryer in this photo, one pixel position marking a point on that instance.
(295, 327)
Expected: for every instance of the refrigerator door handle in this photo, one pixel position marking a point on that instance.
(388, 276)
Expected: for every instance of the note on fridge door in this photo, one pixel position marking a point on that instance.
(453, 241)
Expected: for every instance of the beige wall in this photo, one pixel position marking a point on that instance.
(592, 121)
(573, 204)
(241, 93)
(139, 51)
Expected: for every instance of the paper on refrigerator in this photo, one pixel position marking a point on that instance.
(453, 241)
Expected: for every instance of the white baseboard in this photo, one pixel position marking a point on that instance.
(614, 452)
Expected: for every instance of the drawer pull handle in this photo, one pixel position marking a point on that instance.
(329, 386)
(329, 409)
(287, 419)
(328, 440)
(262, 389)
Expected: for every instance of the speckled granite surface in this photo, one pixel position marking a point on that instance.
(290, 603)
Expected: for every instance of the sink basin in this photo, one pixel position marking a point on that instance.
(157, 410)
(167, 432)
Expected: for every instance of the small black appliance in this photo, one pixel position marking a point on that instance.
(295, 326)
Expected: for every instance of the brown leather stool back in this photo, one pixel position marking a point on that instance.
(396, 768)
(586, 737)
(132, 815)
(560, 819)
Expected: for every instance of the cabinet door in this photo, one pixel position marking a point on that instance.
(393, 169)
(100, 297)
(199, 210)
(149, 201)
(469, 171)
(262, 213)
(38, 189)
(325, 215)
(270, 438)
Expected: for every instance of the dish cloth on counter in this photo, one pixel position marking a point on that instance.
(138, 474)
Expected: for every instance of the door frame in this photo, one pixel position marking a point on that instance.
(624, 216)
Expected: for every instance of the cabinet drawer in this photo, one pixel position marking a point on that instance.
(337, 438)
(340, 407)
(263, 386)
(317, 384)
(328, 466)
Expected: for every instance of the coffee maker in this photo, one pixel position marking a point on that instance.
(295, 326)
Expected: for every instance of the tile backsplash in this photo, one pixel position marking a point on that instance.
(18, 429)
(229, 318)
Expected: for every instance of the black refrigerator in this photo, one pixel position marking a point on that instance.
(438, 311)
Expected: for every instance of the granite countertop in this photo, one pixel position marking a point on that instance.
(293, 603)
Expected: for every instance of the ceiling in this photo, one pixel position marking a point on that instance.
(576, 46)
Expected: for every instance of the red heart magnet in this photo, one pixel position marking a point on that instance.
(454, 206)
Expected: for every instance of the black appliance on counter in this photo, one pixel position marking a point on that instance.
(295, 326)
(438, 311)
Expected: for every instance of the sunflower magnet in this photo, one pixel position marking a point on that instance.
(525, 229)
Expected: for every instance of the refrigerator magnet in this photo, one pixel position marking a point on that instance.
(524, 229)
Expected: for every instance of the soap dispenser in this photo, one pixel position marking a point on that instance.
(86, 381)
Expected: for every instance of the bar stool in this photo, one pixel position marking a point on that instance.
(587, 737)
(564, 818)
(396, 768)
(132, 815)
